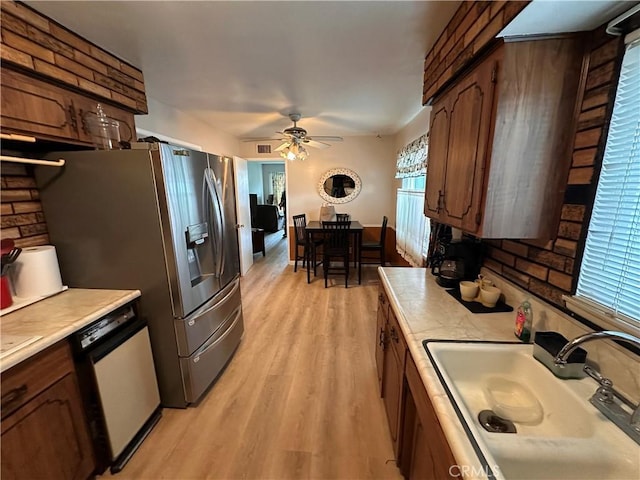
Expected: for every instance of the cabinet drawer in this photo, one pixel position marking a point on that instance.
(29, 378)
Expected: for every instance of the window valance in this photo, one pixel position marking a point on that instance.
(412, 159)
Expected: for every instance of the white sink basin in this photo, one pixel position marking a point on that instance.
(572, 439)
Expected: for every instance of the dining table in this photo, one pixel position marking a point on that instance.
(314, 228)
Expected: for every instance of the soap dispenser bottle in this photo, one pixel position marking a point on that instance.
(524, 321)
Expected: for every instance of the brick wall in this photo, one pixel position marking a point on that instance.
(472, 28)
(41, 46)
(551, 269)
(21, 215)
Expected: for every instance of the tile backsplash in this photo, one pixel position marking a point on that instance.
(21, 215)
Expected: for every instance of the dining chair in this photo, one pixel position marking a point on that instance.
(376, 246)
(345, 217)
(300, 234)
(336, 245)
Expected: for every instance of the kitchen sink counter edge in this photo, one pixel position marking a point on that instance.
(55, 318)
(426, 311)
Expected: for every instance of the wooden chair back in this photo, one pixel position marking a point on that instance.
(299, 228)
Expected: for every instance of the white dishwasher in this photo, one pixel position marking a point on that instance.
(119, 385)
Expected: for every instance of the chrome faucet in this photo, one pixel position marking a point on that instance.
(563, 354)
(606, 399)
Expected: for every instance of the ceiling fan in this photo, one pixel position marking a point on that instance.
(295, 139)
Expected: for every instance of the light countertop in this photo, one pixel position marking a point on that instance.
(426, 311)
(55, 318)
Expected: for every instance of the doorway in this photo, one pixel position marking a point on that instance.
(266, 182)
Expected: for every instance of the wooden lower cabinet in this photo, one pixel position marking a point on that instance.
(381, 325)
(393, 357)
(426, 453)
(420, 448)
(44, 428)
(392, 393)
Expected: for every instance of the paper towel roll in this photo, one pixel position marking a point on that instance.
(37, 272)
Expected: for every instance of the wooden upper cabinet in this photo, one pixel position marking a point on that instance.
(34, 107)
(468, 131)
(438, 146)
(52, 77)
(500, 147)
(86, 107)
(460, 123)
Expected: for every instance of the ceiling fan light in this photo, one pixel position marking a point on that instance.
(294, 151)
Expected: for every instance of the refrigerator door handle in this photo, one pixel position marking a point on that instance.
(236, 316)
(211, 182)
(207, 308)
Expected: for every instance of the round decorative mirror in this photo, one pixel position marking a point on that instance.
(339, 185)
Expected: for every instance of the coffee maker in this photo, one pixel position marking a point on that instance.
(454, 260)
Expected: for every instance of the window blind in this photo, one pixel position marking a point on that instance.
(412, 159)
(610, 270)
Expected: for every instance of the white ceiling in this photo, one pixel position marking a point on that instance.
(349, 67)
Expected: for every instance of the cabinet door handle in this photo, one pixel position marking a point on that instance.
(394, 334)
(13, 395)
(381, 298)
(381, 338)
(82, 115)
(440, 200)
(72, 116)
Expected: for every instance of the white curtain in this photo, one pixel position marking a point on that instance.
(412, 227)
(277, 186)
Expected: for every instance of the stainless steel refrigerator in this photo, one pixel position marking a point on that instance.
(161, 219)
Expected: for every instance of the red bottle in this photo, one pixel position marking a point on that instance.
(5, 292)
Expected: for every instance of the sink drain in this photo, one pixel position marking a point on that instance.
(493, 423)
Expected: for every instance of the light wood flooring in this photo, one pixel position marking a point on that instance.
(300, 397)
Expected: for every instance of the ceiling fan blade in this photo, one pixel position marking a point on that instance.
(282, 147)
(263, 139)
(315, 144)
(325, 138)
